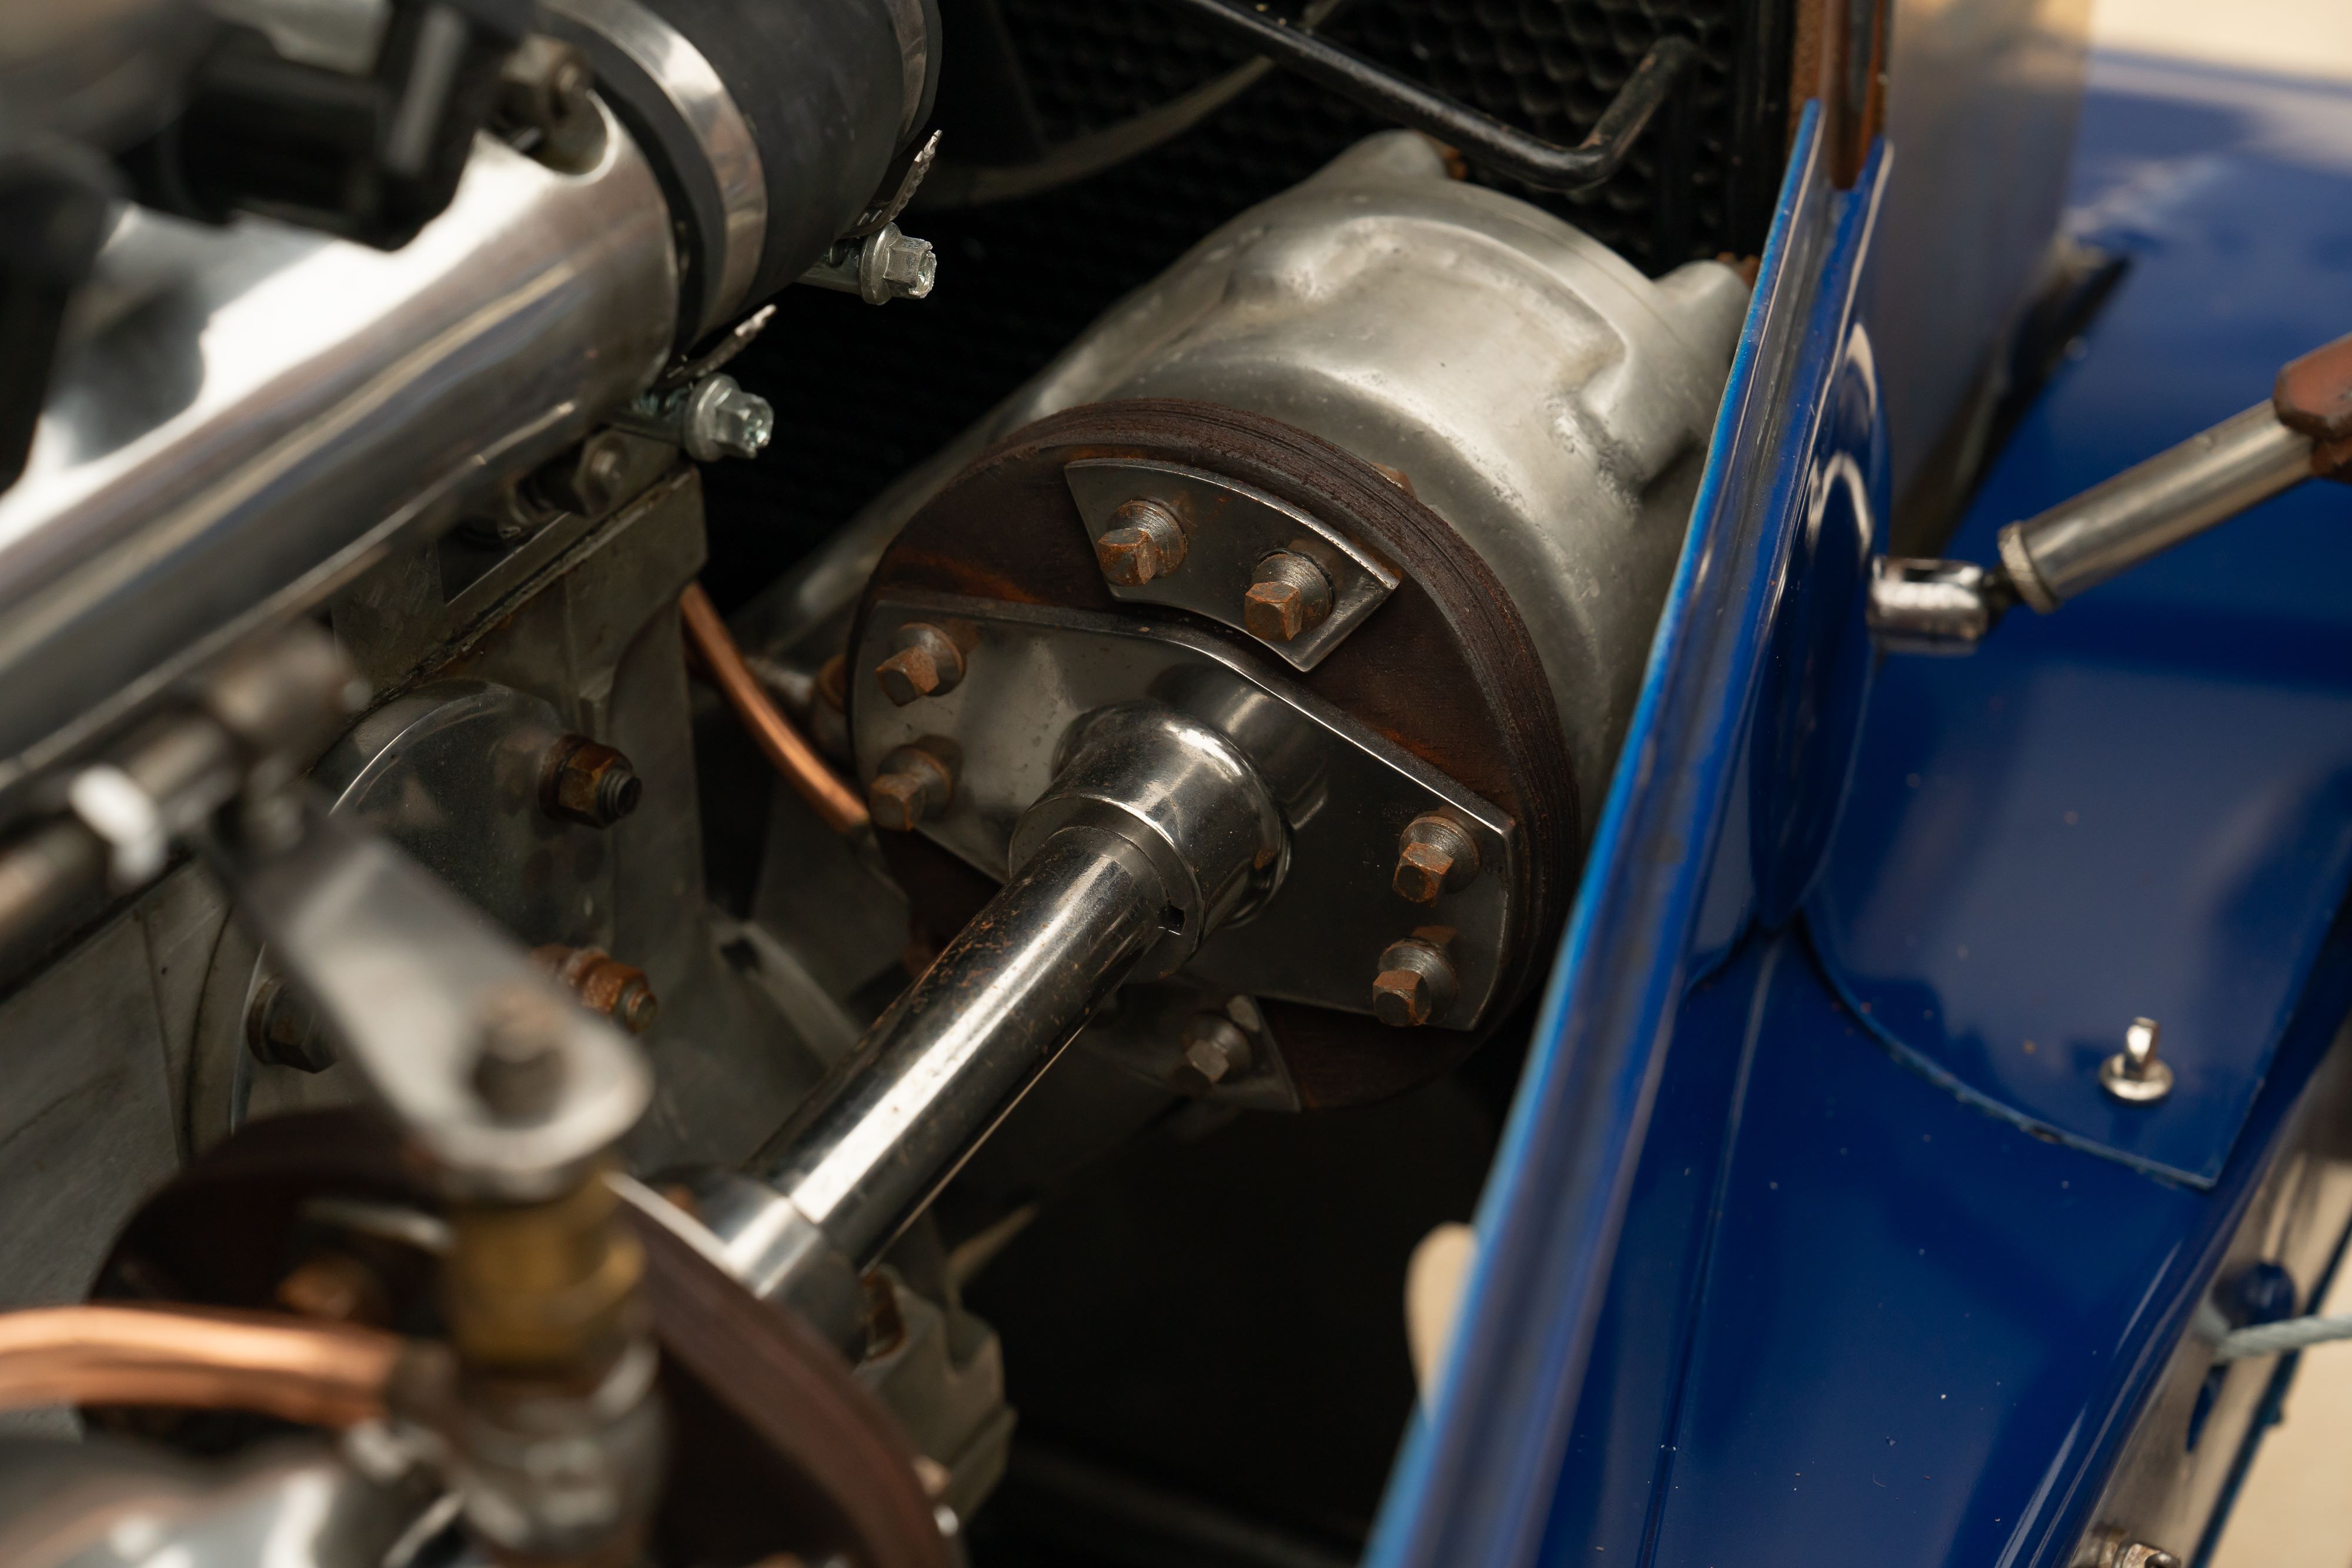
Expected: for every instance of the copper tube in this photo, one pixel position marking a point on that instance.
(797, 760)
(327, 1375)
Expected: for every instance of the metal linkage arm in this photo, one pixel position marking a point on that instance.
(1481, 138)
(2303, 432)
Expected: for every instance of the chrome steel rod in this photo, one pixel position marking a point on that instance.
(902, 1112)
(2207, 479)
(253, 412)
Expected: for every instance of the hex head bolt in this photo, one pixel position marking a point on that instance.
(928, 664)
(1289, 596)
(1144, 541)
(1416, 981)
(604, 984)
(1435, 855)
(2133, 1074)
(916, 783)
(587, 782)
(1215, 1050)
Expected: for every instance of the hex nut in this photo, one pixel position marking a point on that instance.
(1289, 596)
(915, 782)
(1145, 540)
(1435, 855)
(1415, 984)
(926, 663)
(605, 985)
(587, 782)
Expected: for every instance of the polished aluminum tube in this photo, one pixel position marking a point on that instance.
(248, 415)
(2207, 479)
(953, 1054)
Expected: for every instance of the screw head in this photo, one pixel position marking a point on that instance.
(518, 1069)
(1288, 595)
(2134, 1074)
(926, 663)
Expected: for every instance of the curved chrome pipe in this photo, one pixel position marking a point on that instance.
(252, 414)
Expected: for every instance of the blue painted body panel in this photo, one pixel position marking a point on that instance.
(2141, 806)
(1755, 1281)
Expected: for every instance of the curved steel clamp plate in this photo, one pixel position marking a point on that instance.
(1228, 529)
(1031, 672)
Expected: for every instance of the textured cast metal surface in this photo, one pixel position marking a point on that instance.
(1540, 395)
(1346, 791)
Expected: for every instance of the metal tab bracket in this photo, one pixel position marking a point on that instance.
(1229, 528)
(1347, 794)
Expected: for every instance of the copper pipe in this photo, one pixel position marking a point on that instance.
(797, 760)
(326, 1374)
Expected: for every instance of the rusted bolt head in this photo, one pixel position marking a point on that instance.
(1215, 1050)
(1145, 540)
(1435, 855)
(1416, 983)
(519, 1065)
(926, 663)
(604, 984)
(916, 783)
(583, 782)
(1288, 594)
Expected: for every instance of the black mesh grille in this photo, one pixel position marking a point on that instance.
(863, 393)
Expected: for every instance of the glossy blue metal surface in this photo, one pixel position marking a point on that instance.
(2142, 805)
(1476, 1483)
(1921, 1331)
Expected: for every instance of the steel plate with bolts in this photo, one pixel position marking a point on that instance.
(1348, 794)
(1229, 528)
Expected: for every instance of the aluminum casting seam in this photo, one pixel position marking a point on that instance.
(802, 769)
(328, 1374)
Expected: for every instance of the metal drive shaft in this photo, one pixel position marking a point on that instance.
(1157, 830)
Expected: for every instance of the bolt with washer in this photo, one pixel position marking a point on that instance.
(928, 664)
(1416, 981)
(2133, 1074)
(916, 783)
(719, 419)
(1289, 596)
(1435, 855)
(1145, 540)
